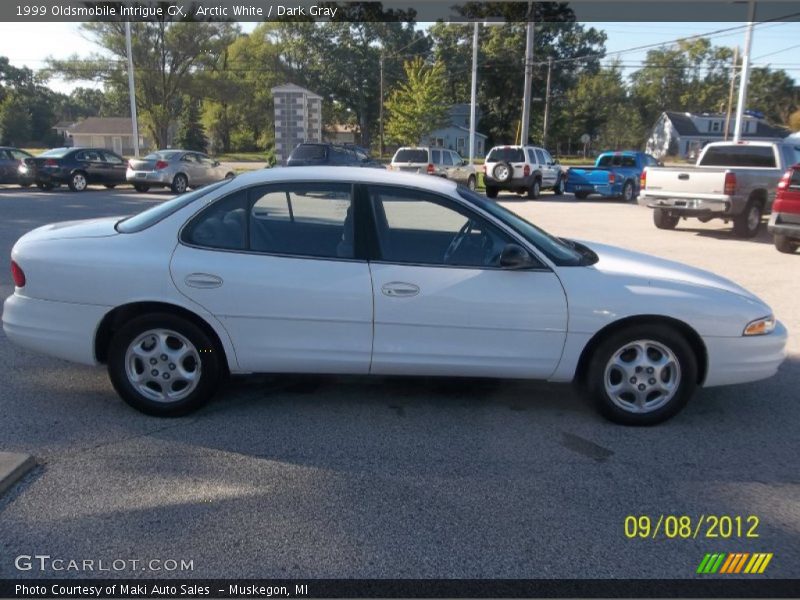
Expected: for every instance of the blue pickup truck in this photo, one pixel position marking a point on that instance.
(614, 175)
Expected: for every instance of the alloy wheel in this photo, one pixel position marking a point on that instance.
(642, 376)
(163, 365)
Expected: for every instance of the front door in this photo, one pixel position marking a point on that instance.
(275, 264)
(443, 305)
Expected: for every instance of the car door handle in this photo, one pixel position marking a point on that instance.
(398, 289)
(203, 281)
(683, 176)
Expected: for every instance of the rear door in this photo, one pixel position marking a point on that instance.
(94, 165)
(550, 171)
(116, 168)
(277, 266)
(443, 306)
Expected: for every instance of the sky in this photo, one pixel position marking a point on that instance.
(775, 43)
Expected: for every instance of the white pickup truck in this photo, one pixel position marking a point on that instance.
(731, 181)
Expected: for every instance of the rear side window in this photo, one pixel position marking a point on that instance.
(222, 225)
(309, 151)
(411, 155)
(539, 157)
(628, 161)
(341, 156)
(506, 154)
(739, 156)
(791, 155)
(610, 160)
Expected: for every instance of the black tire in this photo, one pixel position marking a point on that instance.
(45, 186)
(471, 183)
(581, 195)
(558, 188)
(78, 181)
(210, 366)
(785, 244)
(502, 171)
(600, 368)
(663, 220)
(25, 184)
(110, 186)
(141, 187)
(628, 192)
(180, 183)
(535, 190)
(747, 224)
(491, 191)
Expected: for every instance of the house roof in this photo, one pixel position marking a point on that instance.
(103, 126)
(63, 125)
(291, 87)
(683, 124)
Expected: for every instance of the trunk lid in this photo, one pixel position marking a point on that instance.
(142, 164)
(91, 228)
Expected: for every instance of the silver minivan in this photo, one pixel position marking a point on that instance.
(435, 161)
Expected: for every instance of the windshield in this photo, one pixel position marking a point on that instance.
(313, 151)
(559, 252)
(411, 155)
(157, 213)
(506, 154)
(162, 154)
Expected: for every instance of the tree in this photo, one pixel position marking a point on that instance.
(773, 93)
(15, 121)
(419, 105)
(794, 121)
(191, 135)
(166, 56)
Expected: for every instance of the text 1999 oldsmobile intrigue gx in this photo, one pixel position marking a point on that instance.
(348, 270)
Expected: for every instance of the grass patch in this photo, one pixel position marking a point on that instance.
(242, 157)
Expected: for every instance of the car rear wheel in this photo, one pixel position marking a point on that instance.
(77, 182)
(45, 186)
(535, 190)
(628, 193)
(642, 375)
(110, 186)
(163, 365)
(25, 184)
(786, 245)
(746, 224)
(491, 191)
(471, 182)
(581, 195)
(179, 184)
(663, 220)
(140, 187)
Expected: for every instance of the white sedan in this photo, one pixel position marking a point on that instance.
(348, 270)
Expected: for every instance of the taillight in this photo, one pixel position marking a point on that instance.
(611, 178)
(784, 182)
(643, 179)
(17, 275)
(130, 166)
(526, 170)
(430, 169)
(50, 163)
(161, 164)
(730, 184)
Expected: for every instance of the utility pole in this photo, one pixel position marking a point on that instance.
(547, 102)
(745, 77)
(132, 89)
(473, 98)
(730, 93)
(526, 97)
(380, 116)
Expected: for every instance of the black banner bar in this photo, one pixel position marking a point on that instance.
(32, 11)
(722, 587)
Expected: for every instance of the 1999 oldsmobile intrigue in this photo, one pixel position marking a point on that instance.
(349, 270)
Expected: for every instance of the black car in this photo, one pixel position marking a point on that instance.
(334, 155)
(77, 167)
(10, 161)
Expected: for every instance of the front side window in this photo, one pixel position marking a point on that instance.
(415, 227)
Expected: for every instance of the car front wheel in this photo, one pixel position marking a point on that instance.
(179, 184)
(491, 191)
(163, 365)
(746, 224)
(642, 375)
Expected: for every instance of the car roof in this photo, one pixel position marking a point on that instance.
(344, 174)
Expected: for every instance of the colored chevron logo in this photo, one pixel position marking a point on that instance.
(731, 563)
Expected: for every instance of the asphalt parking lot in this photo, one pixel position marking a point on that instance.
(386, 477)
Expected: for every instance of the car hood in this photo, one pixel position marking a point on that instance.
(617, 261)
(90, 228)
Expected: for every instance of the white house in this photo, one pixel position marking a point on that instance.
(455, 135)
(112, 133)
(685, 134)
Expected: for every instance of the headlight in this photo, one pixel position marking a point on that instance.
(760, 326)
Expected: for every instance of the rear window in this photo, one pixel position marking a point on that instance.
(739, 156)
(506, 154)
(312, 151)
(163, 155)
(56, 152)
(411, 155)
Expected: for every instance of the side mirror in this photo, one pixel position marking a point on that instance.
(515, 256)
(464, 162)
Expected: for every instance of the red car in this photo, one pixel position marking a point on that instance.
(784, 223)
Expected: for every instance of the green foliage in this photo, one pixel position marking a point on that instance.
(15, 121)
(190, 134)
(419, 105)
(794, 121)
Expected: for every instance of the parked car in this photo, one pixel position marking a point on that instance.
(521, 169)
(76, 167)
(784, 223)
(435, 161)
(346, 270)
(614, 175)
(733, 181)
(336, 155)
(11, 159)
(176, 169)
